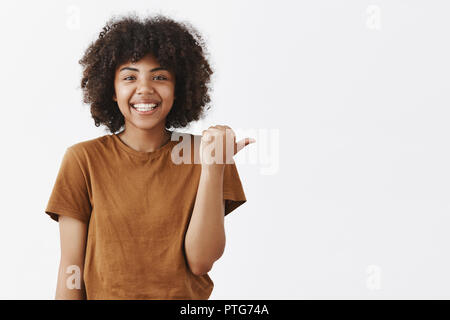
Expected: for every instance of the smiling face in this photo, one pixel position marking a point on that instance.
(137, 86)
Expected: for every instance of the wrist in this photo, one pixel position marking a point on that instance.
(213, 169)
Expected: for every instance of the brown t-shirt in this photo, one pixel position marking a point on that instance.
(137, 206)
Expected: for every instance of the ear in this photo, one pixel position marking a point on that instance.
(114, 97)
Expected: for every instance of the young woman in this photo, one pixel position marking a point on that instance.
(141, 213)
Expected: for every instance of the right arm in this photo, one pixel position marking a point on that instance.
(73, 234)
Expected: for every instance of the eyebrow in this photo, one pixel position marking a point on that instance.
(134, 69)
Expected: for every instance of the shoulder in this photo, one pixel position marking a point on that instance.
(83, 149)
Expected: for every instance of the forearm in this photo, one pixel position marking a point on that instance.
(63, 291)
(205, 237)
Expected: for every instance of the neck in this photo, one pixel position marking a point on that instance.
(145, 140)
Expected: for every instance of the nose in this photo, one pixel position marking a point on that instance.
(144, 86)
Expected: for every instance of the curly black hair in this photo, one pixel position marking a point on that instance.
(177, 46)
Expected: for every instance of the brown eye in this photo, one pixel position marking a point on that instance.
(161, 76)
(128, 77)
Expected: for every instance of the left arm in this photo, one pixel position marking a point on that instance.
(205, 236)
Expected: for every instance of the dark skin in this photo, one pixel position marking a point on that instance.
(144, 133)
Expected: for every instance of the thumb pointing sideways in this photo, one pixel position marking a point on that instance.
(243, 143)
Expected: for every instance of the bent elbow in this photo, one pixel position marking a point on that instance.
(200, 270)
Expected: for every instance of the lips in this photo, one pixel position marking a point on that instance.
(146, 101)
(146, 112)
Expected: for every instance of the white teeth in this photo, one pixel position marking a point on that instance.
(145, 106)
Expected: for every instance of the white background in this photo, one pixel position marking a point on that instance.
(358, 206)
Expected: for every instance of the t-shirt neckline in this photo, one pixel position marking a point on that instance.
(142, 154)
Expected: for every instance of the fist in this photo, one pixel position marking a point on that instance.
(218, 146)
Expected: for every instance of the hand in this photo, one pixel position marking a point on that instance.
(218, 146)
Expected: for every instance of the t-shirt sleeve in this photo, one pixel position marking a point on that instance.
(233, 193)
(70, 194)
